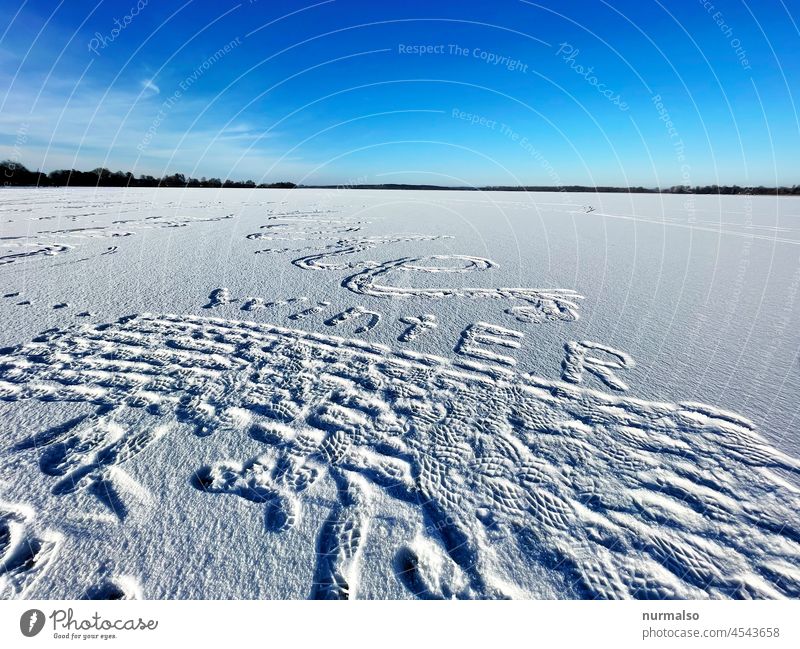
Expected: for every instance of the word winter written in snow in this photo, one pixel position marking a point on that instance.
(481, 340)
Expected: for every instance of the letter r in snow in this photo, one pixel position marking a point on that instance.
(578, 360)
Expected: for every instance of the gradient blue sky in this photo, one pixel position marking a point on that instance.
(319, 92)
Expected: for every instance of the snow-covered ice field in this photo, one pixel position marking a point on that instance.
(380, 394)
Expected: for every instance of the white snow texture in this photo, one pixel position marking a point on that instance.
(404, 394)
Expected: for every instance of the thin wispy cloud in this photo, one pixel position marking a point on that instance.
(148, 84)
(102, 127)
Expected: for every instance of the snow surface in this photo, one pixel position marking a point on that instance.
(379, 394)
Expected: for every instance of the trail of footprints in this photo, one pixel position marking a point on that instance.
(48, 243)
(609, 495)
(56, 307)
(25, 553)
(38, 250)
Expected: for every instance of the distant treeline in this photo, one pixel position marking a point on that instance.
(17, 175)
(794, 190)
(676, 189)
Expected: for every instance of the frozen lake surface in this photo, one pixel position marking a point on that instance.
(391, 394)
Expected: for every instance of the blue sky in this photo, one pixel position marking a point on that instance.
(504, 92)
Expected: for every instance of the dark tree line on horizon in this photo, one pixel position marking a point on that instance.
(15, 174)
(794, 190)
